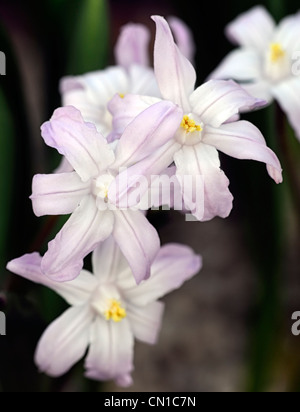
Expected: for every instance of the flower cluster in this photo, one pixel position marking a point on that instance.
(133, 137)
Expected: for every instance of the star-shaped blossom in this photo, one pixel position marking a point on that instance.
(108, 310)
(267, 62)
(83, 192)
(209, 124)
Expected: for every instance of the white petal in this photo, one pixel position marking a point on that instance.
(243, 140)
(209, 184)
(57, 194)
(288, 95)
(76, 292)
(110, 355)
(64, 342)
(288, 33)
(174, 265)
(184, 37)
(85, 229)
(253, 29)
(146, 321)
(142, 81)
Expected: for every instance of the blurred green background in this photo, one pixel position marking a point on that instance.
(251, 259)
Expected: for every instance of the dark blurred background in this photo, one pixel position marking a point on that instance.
(229, 329)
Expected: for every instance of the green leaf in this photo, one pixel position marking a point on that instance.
(6, 171)
(89, 44)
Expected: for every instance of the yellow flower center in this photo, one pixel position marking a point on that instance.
(115, 312)
(122, 95)
(276, 52)
(189, 125)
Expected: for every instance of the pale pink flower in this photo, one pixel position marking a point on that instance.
(109, 311)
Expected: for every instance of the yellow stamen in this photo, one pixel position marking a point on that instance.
(189, 125)
(115, 311)
(276, 52)
(122, 95)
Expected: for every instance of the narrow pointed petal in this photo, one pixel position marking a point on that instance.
(217, 101)
(110, 356)
(109, 262)
(146, 321)
(79, 236)
(148, 132)
(133, 46)
(75, 292)
(203, 161)
(243, 140)
(174, 265)
(240, 65)
(65, 342)
(57, 194)
(183, 37)
(85, 148)
(253, 29)
(288, 95)
(175, 75)
(138, 241)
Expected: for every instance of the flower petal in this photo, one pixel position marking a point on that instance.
(146, 321)
(64, 342)
(110, 355)
(142, 81)
(217, 101)
(91, 92)
(57, 194)
(253, 29)
(75, 292)
(138, 241)
(240, 65)
(260, 89)
(79, 236)
(288, 33)
(183, 37)
(132, 46)
(109, 262)
(174, 265)
(85, 149)
(288, 95)
(202, 163)
(175, 75)
(148, 132)
(243, 140)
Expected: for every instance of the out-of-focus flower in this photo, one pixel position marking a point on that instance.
(267, 63)
(84, 191)
(108, 310)
(91, 92)
(209, 124)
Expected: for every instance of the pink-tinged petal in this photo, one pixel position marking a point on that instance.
(243, 140)
(85, 148)
(75, 292)
(57, 194)
(253, 29)
(125, 110)
(174, 265)
(148, 132)
(91, 92)
(183, 37)
(85, 229)
(287, 94)
(138, 241)
(146, 321)
(130, 186)
(218, 100)
(288, 33)
(206, 193)
(133, 46)
(110, 356)
(240, 65)
(175, 75)
(108, 261)
(142, 81)
(260, 89)
(64, 342)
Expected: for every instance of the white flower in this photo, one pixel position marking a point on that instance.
(108, 310)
